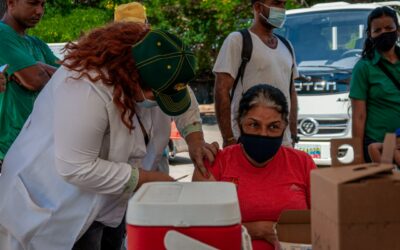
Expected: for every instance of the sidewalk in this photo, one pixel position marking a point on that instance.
(207, 109)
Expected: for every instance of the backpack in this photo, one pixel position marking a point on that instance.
(247, 48)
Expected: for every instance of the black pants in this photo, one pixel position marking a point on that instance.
(101, 237)
(366, 143)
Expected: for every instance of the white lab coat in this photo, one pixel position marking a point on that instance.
(58, 176)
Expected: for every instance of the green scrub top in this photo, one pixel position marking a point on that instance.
(16, 103)
(370, 84)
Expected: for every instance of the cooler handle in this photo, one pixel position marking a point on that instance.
(246, 239)
(175, 240)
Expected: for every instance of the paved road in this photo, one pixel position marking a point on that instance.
(182, 165)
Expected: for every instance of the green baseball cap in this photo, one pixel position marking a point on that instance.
(165, 65)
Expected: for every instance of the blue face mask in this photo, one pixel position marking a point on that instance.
(146, 103)
(277, 16)
(260, 148)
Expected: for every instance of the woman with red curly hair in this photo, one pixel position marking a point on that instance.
(75, 163)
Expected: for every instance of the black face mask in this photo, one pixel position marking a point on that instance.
(260, 148)
(385, 41)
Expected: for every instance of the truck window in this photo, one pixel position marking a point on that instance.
(326, 41)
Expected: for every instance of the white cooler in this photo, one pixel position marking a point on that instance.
(184, 215)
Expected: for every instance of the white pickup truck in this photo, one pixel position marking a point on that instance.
(328, 39)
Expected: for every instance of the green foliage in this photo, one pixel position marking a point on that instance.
(203, 24)
(60, 27)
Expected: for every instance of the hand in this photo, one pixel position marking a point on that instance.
(2, 83)
(152, 176)
(295, 139)
(262, 230)
(199, 149)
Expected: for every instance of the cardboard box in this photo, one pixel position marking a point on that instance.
(294, 230)
(355, 207)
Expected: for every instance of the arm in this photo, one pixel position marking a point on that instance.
(359, 95)
(397, 156)
(198, 176)
(34, 77)
(223, 85)
(199, 150)
(226, 69)
(359, 117)
(151, 176)
(213, 168)
(2, 82)
(293, 113)
(50, 70)
(375, 151)
(23, 67)
(79, 129)
(189, 126)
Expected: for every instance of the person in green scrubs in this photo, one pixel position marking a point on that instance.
(31, 64)
(375, 95)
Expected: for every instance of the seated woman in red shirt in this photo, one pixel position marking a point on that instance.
(269, 177)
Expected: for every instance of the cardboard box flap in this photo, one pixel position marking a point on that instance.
(294, 226)
(389, 146)
(353, 173)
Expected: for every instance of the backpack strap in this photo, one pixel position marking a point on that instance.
(289, 47)
(247, 48)
(388, 74)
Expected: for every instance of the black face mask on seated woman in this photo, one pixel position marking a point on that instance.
(260, 148)
(385, 41)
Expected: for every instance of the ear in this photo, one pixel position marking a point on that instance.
(10, 3)
(257, 7)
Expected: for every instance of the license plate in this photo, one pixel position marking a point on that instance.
(313, 150)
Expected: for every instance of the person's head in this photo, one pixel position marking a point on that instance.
(269, 13)
(382, 31)
(262, 118)
(139, 64)
(26, 13)
(130, 12)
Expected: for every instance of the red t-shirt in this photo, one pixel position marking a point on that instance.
(283, 183)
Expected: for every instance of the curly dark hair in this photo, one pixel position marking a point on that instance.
(107, 52)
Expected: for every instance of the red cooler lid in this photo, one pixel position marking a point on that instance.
(184, 204)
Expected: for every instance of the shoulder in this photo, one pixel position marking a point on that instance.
(7, 34)
(363, 62)
(235, 35)
(4, 29)
(231, 150)
(234, 38)
(362, 66)
(229, 154)
(38, 42)
(63, 74)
